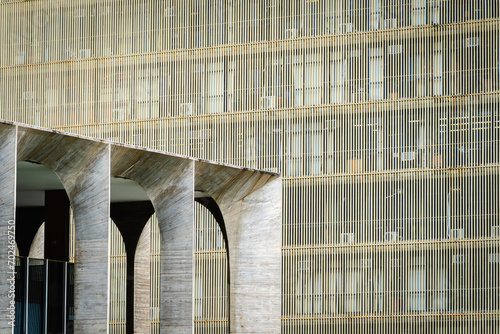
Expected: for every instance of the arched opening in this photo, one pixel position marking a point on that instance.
(211, 271)
(45, 270)
(130, 211)
(210, 276)
(44, 300)
(37, 247)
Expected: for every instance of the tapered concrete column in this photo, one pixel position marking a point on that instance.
(175, 210)
(90, 201)
(169, 183)
(83, 168)
(253, 226)
(7, 216)
(250, 204)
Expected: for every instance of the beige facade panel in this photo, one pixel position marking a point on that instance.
(382, 116)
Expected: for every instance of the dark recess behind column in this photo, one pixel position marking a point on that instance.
(130, 218)
(56, 225)
(28, 221)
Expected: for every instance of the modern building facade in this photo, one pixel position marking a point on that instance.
(382, 117)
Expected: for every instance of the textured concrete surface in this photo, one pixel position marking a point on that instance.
(169, 185)
(142, 269)
(251, 209)
(7, 213)
(83, 168)
(253, 226)
(249, 200)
